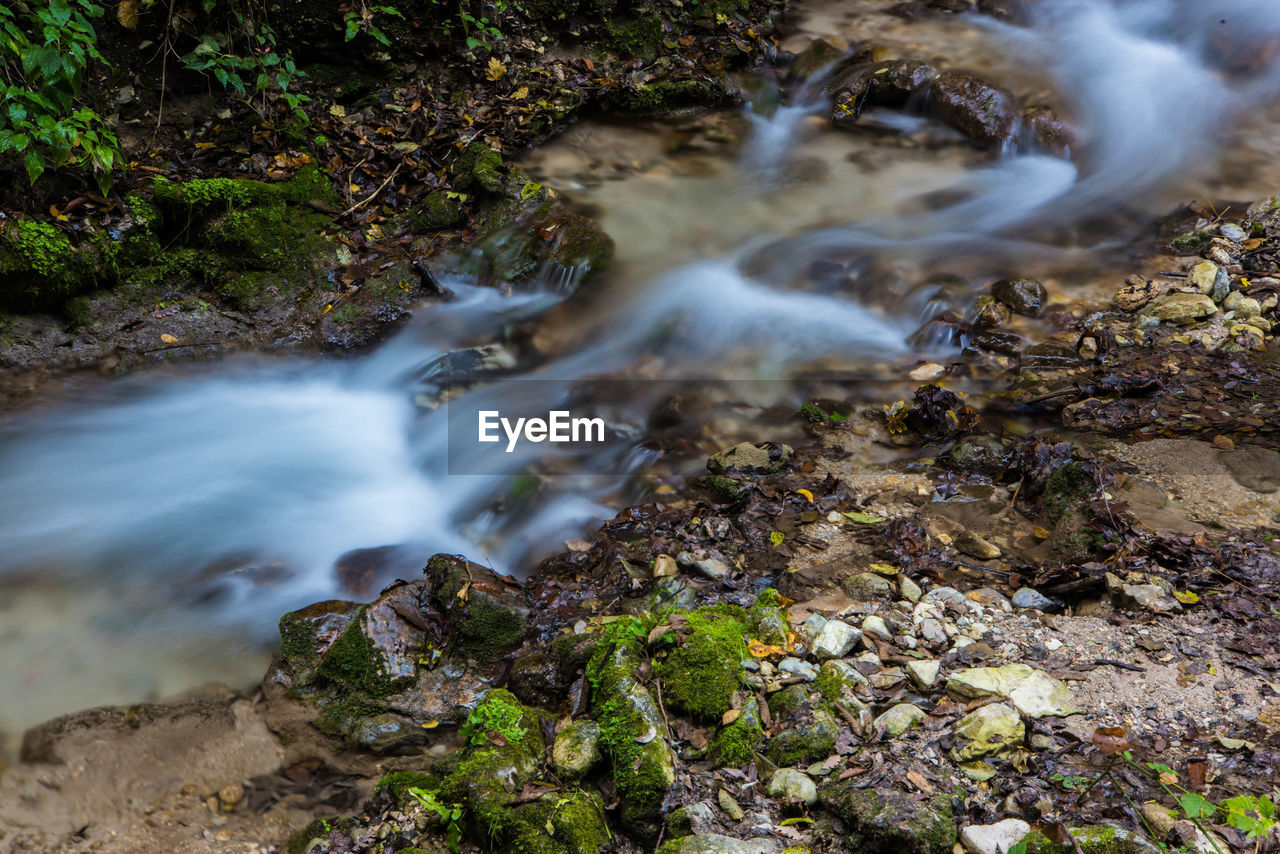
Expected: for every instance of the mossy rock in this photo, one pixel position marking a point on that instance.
(664, 96)
(808, 741)
(562, 823)
(890, 822)
(437, 211)
(307, 633)
(700, 674)
(488, 621)
(478, 168)
(41, 268)
(397, 784)
(355, 663)
(637, 37)
(1067, 488)
(1099, 839)
(736, 744)
(788, 701)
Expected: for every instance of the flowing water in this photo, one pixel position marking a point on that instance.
(152, 529)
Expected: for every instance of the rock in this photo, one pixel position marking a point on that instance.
(1243, 306)
(710, 568)
(1054, 134)
(874, 625)
(933, 632)
(835, 640)
(1100, 839)
(927, 372)
(1210, 279)
(923, 673)
(974, 546)
(796, 667)
(808, 741)
(1141, 597)
(1233, 232)
(987, 730)
(729, 805)
(981, 111)
(819, 55)
(1036, 694)
(1032, 599)
(989, 313)
(1136, 293)
(387, 733)
(576, 749)
(887, 84)
(812, 625)
(1023, 296)
(909, 590)
(1257, 469)
(1180, 306)
(692, 819)
(759, 458)
(995, 838)
(899, 719)
(867, 585)
(792, 787)
(664, 565)
(886, 819)
(713, 843)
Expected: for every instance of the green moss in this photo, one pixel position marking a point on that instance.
(639, 37)
(320, 828)
(479, 166)
(355, 663)
(736, 744)
(580, 242)
(1191, 244)
(484, 627)
(571, 823)
(1099, 839)
(1068, 486)
(664, 95)
(829, 684)
(501, 717)
(876, 824)
(436, 211)
(804, 742)
(788, 701)
(338, 714)
(701, 673)
(769, 619)
(727, 489)
(41, 268)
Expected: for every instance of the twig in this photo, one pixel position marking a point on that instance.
(374, 194)
(1123, 665)
(164, 73)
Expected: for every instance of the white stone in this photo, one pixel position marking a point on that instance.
(876, 626)
(923, 673)
(995, 838)
(834, 640)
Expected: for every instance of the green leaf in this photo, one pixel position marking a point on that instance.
(353, 26)
(862, 518)
(34, 164)
(1196, 806)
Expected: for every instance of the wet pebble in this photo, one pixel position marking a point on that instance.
(1023, 296)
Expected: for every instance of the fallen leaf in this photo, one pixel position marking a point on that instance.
(862, 518)
(168, 339)
(495, 70)
(127, 14)
(1111, 739)
(337, 110)
(806, 493)
(759, 649)
(730, 716)
(1187, 598)
(521, 93)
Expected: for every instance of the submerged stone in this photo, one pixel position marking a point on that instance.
(981, 111)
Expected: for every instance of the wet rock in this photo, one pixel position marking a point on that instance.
(1054, 134)
(1192, 243)
(981, 111)
(988, 730)
(923, 673)
(489, 618)
(1177, 307)
(1136, 293)
(889, 84)
(899, 719)
(307, 634)
(1233, 232)
(759, 458)
(1030, 598)
(999, 342)
(576, 749)
(1035, 693)
(792, 787)
(819, 55)
(536, 679)
(1210, 279)
(1050, 354)
(1023, 296)
(885, 819)
(995, 838)
(867, 585)
(976, 547)
(713, 843)
(835, 640)
(387, 733)
(989, 313)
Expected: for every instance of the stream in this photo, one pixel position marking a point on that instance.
(153, 529)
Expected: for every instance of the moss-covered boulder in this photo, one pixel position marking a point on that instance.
(632, 729)
(886, 821)
(702, 664)
(812, 737)
(1099, 839)
(489, 618)
(736, 743)
(41, 267)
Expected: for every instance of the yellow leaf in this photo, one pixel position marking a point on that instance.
(777, 537)
(759, 649)
(1187, 598)
(431, 725)
(205, 146)
(806, 493)
(127, 14)
(168, 339)
(730, 716)
(496, 70)
(337, 110)
(884, 569)
(521, 93)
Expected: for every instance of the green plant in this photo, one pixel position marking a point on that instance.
(245, 57)
(494, 720)
(450, 816)
(45, 48)
(361, 19)
(477, 29)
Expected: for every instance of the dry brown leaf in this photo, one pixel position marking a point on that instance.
(127, 14)
(730, 716)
